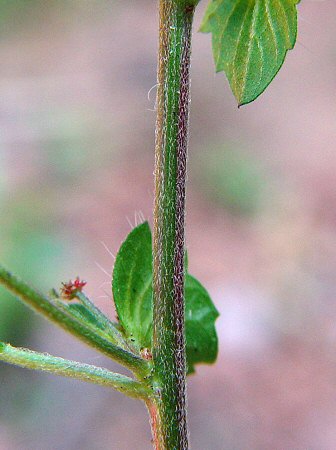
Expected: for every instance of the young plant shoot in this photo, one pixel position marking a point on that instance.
(165, 318)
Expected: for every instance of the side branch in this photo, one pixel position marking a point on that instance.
(71, 369)
(46, 307)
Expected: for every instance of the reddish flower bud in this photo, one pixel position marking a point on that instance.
(70, 289)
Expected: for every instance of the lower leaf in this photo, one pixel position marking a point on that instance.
(133, 296)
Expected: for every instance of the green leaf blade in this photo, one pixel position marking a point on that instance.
(132, 285)
(250, 40)
(133, 296)
(200, 317)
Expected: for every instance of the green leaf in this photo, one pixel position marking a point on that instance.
(80, 311)
(200, 316)
(132, 286)
(250, 39)
(133, 294)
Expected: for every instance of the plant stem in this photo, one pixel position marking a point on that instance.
(169, 422)
(71, 369)
(45, 307)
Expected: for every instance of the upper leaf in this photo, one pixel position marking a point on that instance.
(250, 39)
(133, 296)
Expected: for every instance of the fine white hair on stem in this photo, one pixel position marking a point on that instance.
(138, 217)
(103, 284)
(102, 269)
(129, 222)
(107, 249)
(108, 294)
(150, 91)
(149, 99)
(141, 216)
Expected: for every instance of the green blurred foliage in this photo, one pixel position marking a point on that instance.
(31, 248)
(36, 179)
(32, 251)
(233, 179)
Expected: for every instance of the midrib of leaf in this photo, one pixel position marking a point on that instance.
(255, 11)
(217, 62)
(129, 286)
(285, 21)
(234, 73)
(271, 26)
(140, 298)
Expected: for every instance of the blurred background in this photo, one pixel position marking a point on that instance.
(76, 162)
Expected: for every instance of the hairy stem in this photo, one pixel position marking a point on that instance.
(71, 369)
(169, 422)
(44, 306)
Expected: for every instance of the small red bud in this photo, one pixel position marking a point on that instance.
(70, 289)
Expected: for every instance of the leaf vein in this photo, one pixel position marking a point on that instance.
(224, 28)
(234, 73)
(271, 25)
